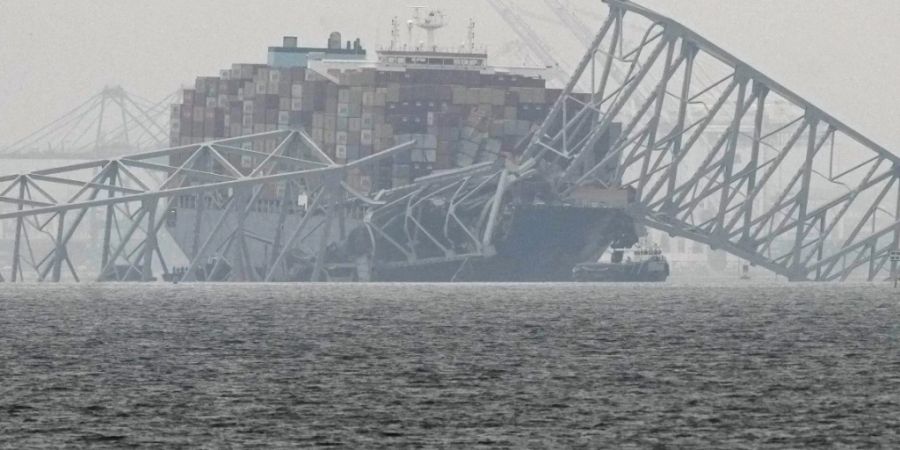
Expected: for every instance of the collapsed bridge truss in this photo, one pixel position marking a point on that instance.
(806, 197)
(134, 198)
(740, 163)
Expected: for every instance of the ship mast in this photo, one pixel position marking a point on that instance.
(470, 37)
(395, 33)
(431, 22)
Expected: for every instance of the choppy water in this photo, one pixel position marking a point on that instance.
(461, 366)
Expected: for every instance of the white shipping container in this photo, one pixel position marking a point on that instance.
(340, 151)
(296, 104)
(297, 90)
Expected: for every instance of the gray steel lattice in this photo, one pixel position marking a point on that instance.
(740, 163)
(703, 156)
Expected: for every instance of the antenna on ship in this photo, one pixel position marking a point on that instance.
(410, 24)
(470, 38)
(431, 22)
(395, 32)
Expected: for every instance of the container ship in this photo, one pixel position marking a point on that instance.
(458, 109)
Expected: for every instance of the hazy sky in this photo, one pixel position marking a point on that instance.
(842, 55)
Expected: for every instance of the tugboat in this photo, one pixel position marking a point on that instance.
(645, 264)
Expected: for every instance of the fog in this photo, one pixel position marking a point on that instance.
(841, 55)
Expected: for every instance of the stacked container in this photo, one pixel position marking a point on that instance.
(455, 117)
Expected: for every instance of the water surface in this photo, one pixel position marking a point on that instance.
(740, 366)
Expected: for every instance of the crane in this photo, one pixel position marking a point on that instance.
(571, 21)
(559, 73)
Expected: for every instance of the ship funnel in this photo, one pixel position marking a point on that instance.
(334, 41)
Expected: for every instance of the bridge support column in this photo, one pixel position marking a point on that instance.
(798, 273)
(332, 185)
(283, 250)
(108, 225)
(17, 244)
(150, 241)
(896, 245)
(59, 253)
(759, 121)
(690, 53)
(288, 199)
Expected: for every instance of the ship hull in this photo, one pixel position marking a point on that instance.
(534, 244)
(642, 272)
(539, 244)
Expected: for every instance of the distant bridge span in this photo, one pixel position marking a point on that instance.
(808, 197)
(110, 123)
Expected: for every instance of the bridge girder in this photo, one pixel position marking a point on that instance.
(807, 197)
(135, 196)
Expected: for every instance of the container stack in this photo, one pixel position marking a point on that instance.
(455, 117)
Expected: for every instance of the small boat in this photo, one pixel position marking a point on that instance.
(643, 265)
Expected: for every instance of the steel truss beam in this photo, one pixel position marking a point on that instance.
(726, 163)
(136, 199)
